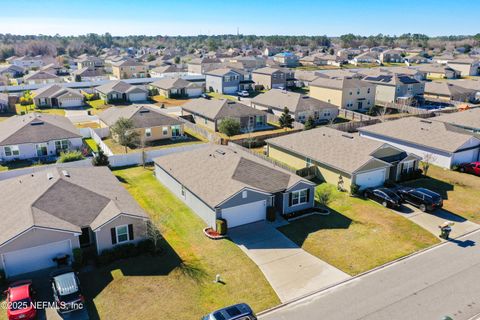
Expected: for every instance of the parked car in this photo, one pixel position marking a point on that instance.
(243, 93)
(205, 96)
(387, 197)
(472, 167)
(424, 199)
(20, 301)
(66, 290)
(240, 311)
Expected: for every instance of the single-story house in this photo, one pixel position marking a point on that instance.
(167, 71)
(468, 119)
(121, 91)
(41, 77)
(177, 87)
(209, 113)
(300, 106)
(341, 158)
(12, 71)
(448, 91)
(442, 144)
(466, 66)
(35, 135)
(151, 123)
(439, 71)
(47, 214)
(57, 96)
(228, 183)
(88, 74)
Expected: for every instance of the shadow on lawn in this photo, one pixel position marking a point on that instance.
(95, 281)
(299, 230)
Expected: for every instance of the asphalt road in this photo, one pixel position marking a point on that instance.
(444, 281)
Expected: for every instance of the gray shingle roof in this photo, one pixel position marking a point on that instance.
(88, 197)
(142, 116)
(467, 119)
(216, 176)
(340, 84)
(55, 91)
(40, 75)
(35, 128)
(446, 89)
(119, 86)
(295, 102)
(174, 83)
(215, 109)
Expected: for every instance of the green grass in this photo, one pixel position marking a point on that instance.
(461, 191)
(32, 108)
(179, 283)
(222, 96)
(358, 235)
(97, 104)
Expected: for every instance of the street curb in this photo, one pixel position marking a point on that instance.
(383, 266)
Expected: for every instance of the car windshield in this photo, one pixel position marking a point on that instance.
(20, 304)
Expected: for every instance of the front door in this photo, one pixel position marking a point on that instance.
(360, 105)
(85, 237)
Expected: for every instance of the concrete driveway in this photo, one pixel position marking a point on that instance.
(42, 286)
(431, 220)
(291, 271)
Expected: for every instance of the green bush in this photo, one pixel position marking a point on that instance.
(354, 189)
(222, 227)
(70, 156)
(324, 195)
(125, 251)
(271, 214)
(229, 127)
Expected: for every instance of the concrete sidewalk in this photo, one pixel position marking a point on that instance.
(431, 220)
(291, 271)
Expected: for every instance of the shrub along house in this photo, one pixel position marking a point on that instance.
(209, 113)
(57, 96)
(177, 88)
(341, 158)
(47, 214)
(120, 91)
(149, 122)
(34, 136)
(224, 182)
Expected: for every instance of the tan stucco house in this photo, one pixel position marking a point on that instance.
(127, 69)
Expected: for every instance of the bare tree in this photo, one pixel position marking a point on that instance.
(382, 114)
(154, 235)
(428, 159)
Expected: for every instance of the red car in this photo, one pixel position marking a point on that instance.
(20, 301)
(472, 167)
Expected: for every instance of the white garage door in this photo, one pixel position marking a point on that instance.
(138, 97)
(230, 90)
(194, 92)
(71, 103)
(36, 258)
(465, 156)
(371, 179)
(247, 213)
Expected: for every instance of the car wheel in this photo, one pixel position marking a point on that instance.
(462, 169)
(365, 195)
(423, 208)
(385, 204)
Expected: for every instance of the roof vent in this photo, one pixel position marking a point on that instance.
(49, 176)
(220, 152)
(144, 111)
(426, 121)
(347, 136)
(230, 102)
(66, 173)
(38, 123)
(305, 97)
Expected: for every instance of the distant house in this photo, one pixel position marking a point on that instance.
(150, 123)
(342, 159)
(87, 74)
(167, 71)
(90, 62)
(345, 93)
(12, 71)
(466, 66)
(273, 78)
(202, 65)
(300, 106)
(57, 96)
(367, 57)
(396, 88)
(445, 145)
(416, 59)
(304, 78)
(27, 62)
(468, 120)
(231, 184)
(4, 103)
(227, 80)
(121, 91)
(49, 221)
(55, 68)
(127, 69)
(209, 113)
(391, 56)
(270, 51)
(34, 136)
(439, 71)
(286, 59)
(177, 88)
(41, 77)
(449, 91)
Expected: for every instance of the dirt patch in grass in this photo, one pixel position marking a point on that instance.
(358, 235)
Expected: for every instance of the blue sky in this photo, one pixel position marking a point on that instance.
(261, 17)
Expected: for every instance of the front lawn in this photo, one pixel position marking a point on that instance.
(179, 283)
(217, 95)
(168, 102)
(460, 191)
(358, 235)
(32, 108)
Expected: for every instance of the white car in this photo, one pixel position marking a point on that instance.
(243, 93)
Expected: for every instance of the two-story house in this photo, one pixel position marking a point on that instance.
(396, 88)
(127, 69)
(227, 80)
(286, 59)
(271, 78)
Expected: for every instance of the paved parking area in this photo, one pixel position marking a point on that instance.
(431, 220)
(291, 271)
(42, 286)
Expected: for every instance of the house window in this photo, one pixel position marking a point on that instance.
(148, 132)
(358, 92)
(41, 149)
(165, 131)
(350, 93)
(61, 145)
(11, 151)
(122, 234)
(244, 194)
(368, 90)
(184, 192)
(299, 197)
(175, 130)
(259, 120)
(408, 167)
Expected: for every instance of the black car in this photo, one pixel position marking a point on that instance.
(424, 199)
(66, 290)
(387, 197)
